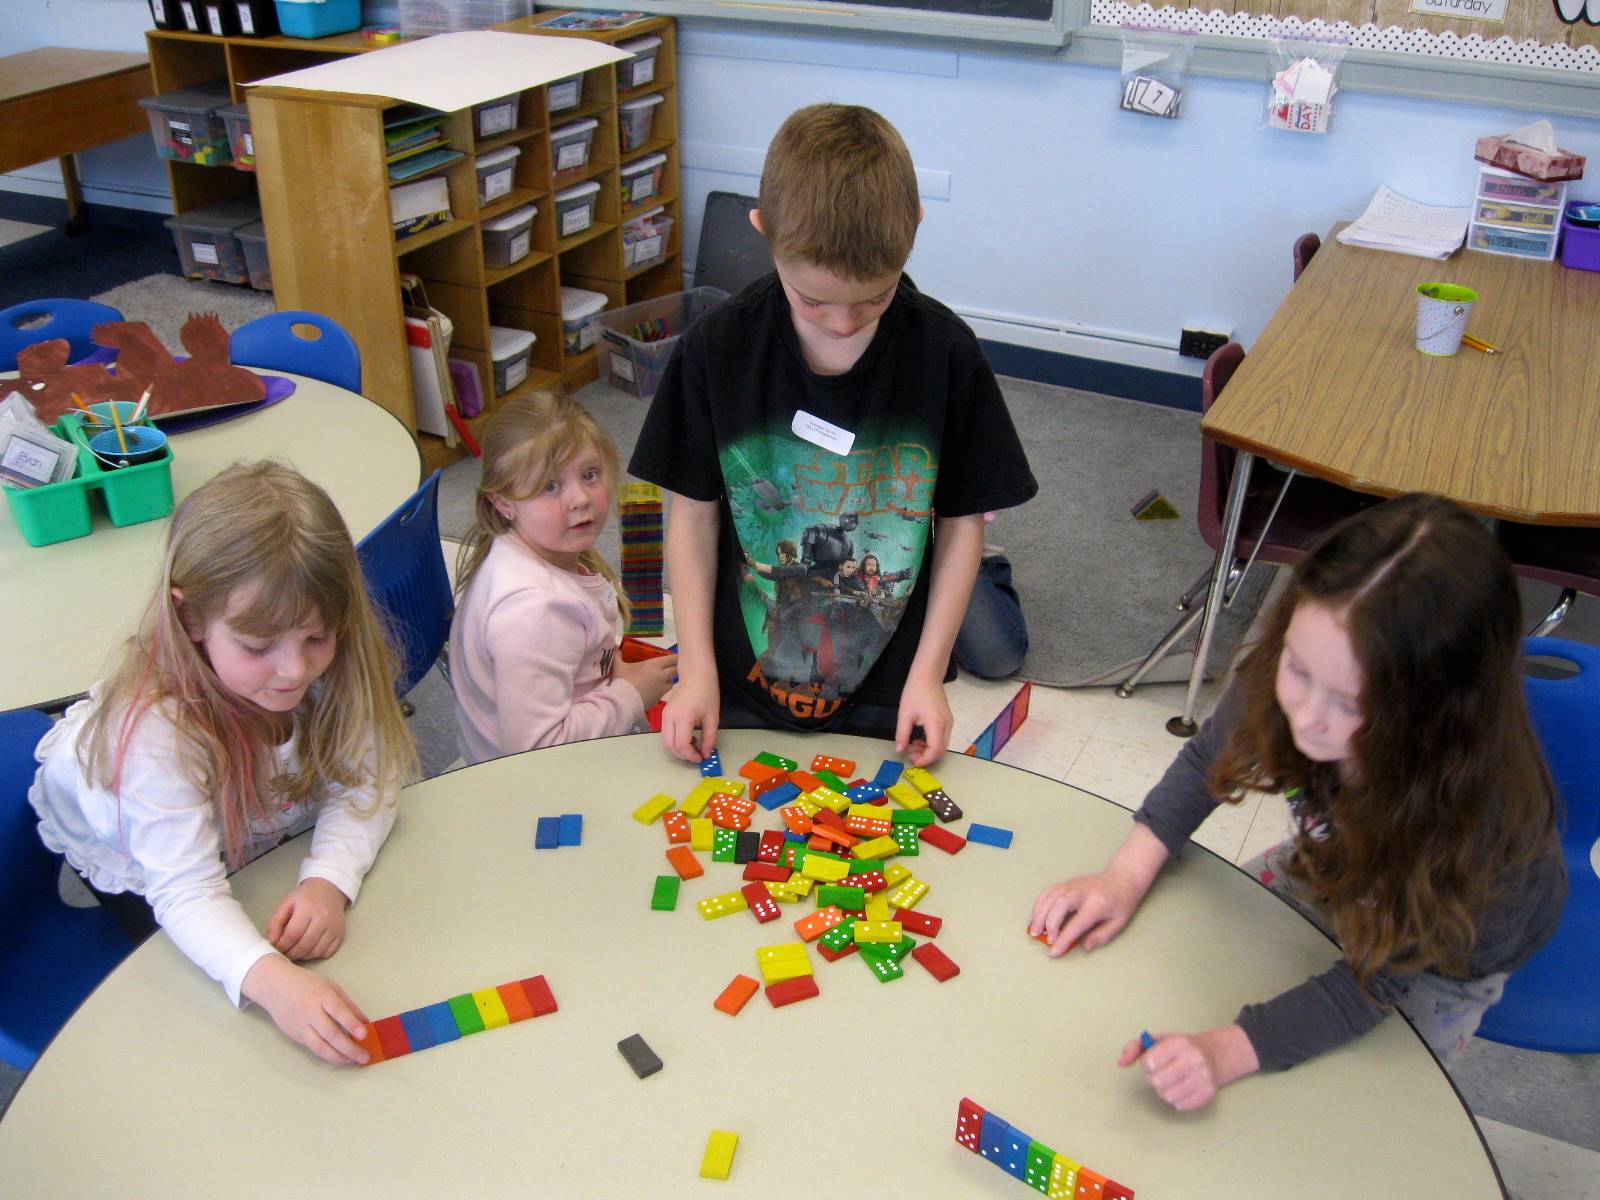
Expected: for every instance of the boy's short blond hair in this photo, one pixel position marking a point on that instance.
(839, 192)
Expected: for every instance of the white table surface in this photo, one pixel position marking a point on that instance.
(158, 1087)
(68, 606)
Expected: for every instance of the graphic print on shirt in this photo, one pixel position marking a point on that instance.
(832, 547)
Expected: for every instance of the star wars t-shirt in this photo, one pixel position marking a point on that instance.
(829, 485)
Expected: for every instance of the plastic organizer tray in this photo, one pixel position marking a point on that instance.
(58, 512)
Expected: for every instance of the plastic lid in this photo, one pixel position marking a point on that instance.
(256, 231)
(498, 158)
(643, 101)
(578, 192)
(240, 109)
(508, 343)
(576, 127)
(511, 96)
(643, 217)
(218, 218)
(201, 99)
(640, 45)
(644, 164)
(577, 303)
(517, 216)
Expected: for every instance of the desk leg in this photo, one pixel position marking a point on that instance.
(77, 218)
(1184, 726)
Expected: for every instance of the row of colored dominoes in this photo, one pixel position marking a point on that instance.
(457, 1017)
(1031, 1161)
(988, 743)
(565, 830)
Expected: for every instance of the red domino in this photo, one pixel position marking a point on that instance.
(759, 870)
(762, 906)
(803, 987)
(392, 1036)
(969, 1124)
(1112, 1190)
(836, 955)
(828, 818)
(771, 846)
(870, 881)
(539, 996)
(949, 842)
(918, 922)
(936, 962)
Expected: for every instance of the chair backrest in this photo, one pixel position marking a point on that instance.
(1306, 245)
(1216, 460)
(73, 320)
(403, 563)
(27, 869)
(1565, 710)
(306, 343)
(731, 254)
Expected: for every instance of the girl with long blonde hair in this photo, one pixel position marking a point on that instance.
(534, 645)
(256, 701)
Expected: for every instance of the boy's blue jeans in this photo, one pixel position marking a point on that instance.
(993, 639)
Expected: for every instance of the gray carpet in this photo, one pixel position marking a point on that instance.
(164, 302)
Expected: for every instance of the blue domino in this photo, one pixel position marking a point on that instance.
(790, 836)
(1014, 1153)
(548, 834)
(779, 796)
(419, 1030)
(441, 1022)
(992, 1138)
(571, 829)
(864, 793)
(711, 766)
(888, 774)
(989, 835)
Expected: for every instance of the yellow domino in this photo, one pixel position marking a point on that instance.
(785, 968)
(894, 873)
(701, 833)
(695, 802)
(713, 907)
(907, 796)
(878, 931)
(1063, 1178)
(491, 1008)
(801, 884)
(728, 787)
(718, 1160)
(808, 806)
(872, 812)
(906, 893)
(784, 893)
(653, 808)
(877, 907)
(922, 780)
(829, 799)
(827, 870)
(877, 848)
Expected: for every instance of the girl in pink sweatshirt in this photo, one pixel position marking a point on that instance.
(539, 614)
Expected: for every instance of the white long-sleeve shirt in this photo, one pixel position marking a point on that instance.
(531, 652)
(163, 840)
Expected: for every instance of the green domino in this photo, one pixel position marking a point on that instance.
(913, 816)
(665, 898)
(1037, 1173)
(898, 950)
(724, 845)
(832, 780)
(849, 898)
(907, 838)
(793, 856)
(465, 1010)
(866, 866)
(883, 964)
(770, 759)
(828, 854)
(841, 935)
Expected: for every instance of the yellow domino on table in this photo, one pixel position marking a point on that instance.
(877, 848)
(648, 812)
(808, 806)
(828, 870)
(695, 802)
(718, 1160)
(491, 1008)
(701, 833)
(922, 780)
(906, 893)
(788, 960)
(713, 907)
(893, 873)
(877, 907)
(785, 892)
(906, 796)
(728, 787)
(829, 799)
(878, 931)
(872, 812)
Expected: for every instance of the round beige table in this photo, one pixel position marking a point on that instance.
(68, 606)
(158, 1087)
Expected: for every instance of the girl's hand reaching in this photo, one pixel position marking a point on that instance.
(308, 1009)
(1095, 908)
(650, 677)
(309, 921)
(1188, 1069)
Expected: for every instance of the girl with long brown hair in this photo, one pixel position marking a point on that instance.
(256, 701)
(1384, 699)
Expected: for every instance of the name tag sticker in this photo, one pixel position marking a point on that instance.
(822, 433)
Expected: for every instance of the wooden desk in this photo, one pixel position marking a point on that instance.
(1335, 387)
(55, 102)
(75, 601)
(851, 1093)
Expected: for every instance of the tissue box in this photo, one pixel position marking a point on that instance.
(1553, 167)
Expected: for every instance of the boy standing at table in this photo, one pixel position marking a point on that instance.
(828, 412)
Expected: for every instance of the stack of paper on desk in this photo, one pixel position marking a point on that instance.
(1392, 222)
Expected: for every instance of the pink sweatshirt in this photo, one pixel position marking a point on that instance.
(531, 650)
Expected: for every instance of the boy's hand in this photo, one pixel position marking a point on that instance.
(1188, 1069)
(923, 703)
(309, 921)
(308, 1009)
(695, 702)
(650, 677)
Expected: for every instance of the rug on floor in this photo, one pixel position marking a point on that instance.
(164, 303)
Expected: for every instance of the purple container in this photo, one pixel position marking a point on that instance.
(1580, 244)
(469, 400)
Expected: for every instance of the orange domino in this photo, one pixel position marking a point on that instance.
(805, 781)
(684, 862)
(375, 1047)
(837, 836)
(677, 826)
(818, 923)
(516, 1001)
(795, 818)
(755, 771)
(736, 995)
(760, 787)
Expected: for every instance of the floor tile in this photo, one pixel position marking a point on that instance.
(1536, 1167)
(1119, 773)
(1272, 824)
(16, 231)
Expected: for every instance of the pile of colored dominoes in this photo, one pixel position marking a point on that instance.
(448, 1020)
(1038, 1166)
(640, 504)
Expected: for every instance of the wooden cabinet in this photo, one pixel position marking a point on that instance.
(324, 190)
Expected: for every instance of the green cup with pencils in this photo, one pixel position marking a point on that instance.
(1442, 313)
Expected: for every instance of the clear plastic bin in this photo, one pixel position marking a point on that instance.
(564, 93)
(1495, 184)
(187, 125)
(570, 145)
(575, 209)
(1520, 243)
(644, 240)
(635, 119)
(496, 171)
(641, 68)
(641, 181)
(495, 117)
(580, 310)
(253, 237)
(208, 243)
(507, 239)
(1522, 216)
(418, 18)
(510, 350)
(236, 119)
(638, 339)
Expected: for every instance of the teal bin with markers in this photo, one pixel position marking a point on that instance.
(58, 512)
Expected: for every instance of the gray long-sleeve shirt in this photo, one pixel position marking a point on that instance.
(1330, 1009)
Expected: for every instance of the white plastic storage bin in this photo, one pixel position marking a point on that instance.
(253, 238)
(580, 310)
(508, 239)
(644, 240)
(208, 245)
(509, 348)
(641, 68)
(495, 117)
(496, 170)
(575, 208)
(564, 93)
(570, 145)
(641, 181)
(418, 18)
(635, 119)
(635, 363)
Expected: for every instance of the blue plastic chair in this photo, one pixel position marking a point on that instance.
(403, 563)
(51, 955)
(70, 319)
(271, 342)
(1553, 1002)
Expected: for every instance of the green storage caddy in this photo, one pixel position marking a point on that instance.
(58, 512)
